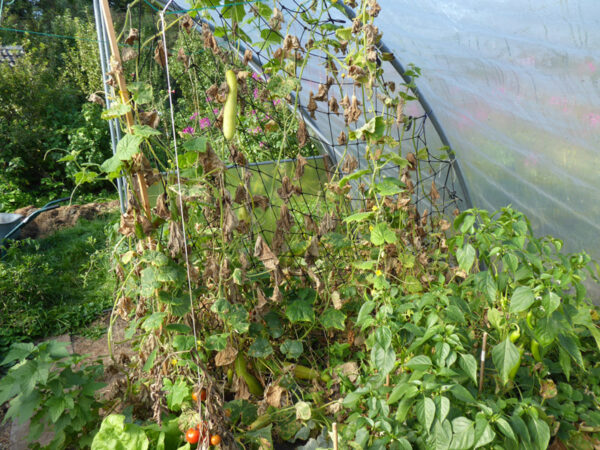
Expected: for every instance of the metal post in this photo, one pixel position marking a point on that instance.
(115, 131)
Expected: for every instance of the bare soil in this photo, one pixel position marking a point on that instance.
(62, 217)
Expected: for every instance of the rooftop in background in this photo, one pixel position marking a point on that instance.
(10, 53)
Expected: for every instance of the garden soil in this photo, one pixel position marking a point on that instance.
(62, 217)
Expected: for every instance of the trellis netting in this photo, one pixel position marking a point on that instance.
(512, 88)
(515, 88)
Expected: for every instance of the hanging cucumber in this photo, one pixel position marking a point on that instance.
(241, 370)
(230, 110)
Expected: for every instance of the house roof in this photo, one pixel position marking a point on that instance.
(10, 53)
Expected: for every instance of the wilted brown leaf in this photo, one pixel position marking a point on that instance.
(287, 189)
(273, 395)
(302, 134)
(150, 118)
(187, 23)
(312, 105)
(333, 105)
(133, 36)
(264, 253)
(300, 163)
(162, 206)
(160, 56)
(176, 242)
(350, 164)
(183, 58)
(226, 356)
(435, 195)
(95, 98)
(128, 54)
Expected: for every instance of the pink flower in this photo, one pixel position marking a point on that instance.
(256, 76)
(188, 130)
(253, 112)
(204, 122)
(194, 116)
(255, 92)
(208, 99)
(277, 101)
(261, 144)
(216, 111)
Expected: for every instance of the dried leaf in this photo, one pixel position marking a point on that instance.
(374, 8)
(287, 189)
(128, 54)
(162, 206)
(333, 105)
(160, 56)
(133, 36)
(176, 241)
(302, 134)
(342, 138)
(264, 253)
(247, 56)
(183, 58)
(435, 195)
(95, 98)
(285, 218)
(350, 164)
(300, 163)
(312, 106)
(322, 93)
(150, 118)
(336, 300)
(210, 161)
(410, 157)
(209, 39)
(276, 20)
(273, 395)
(548, 389)
(352, 113)
(260, 201)
(226, 356)
(187, 23)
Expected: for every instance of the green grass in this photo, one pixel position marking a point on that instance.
(56, 285)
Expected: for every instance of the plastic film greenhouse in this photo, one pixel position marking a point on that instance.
(299, 224)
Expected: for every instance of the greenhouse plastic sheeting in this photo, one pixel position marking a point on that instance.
(515, 85)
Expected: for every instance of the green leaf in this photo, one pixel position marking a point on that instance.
(419, 362)
(464, 433)
(179, 328)
(343, 34)
(154, 321)
(115, 434)
(468, 363)
(128, 146)
(571, 346)
(521, 299)
(506, 429)
(112, 166)
(56, 406)
(184, 343)
(520, 427)
(403, 389)
(540, 432)
(292, 349)
(333, 318)
(300, 311)
(550, 302)
(216, 342)
(17, 352)
(149, 364)
(144, 131)
(359, 217)
(483, 432)
(506, 357)
(373, 129)
(466, 257)
(442, 405)
(260, 348)
(142, 92)
(425, 411)
(462, 393)
(197, 144)
(115, 111)
(177, 393)
(382, 234)
(565, 362)
(442, 433)
(383, 359)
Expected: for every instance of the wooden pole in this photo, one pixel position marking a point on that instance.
(124, 93)
(482, 363)
(335, 436)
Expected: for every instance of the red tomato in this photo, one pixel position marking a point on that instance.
(192, 436)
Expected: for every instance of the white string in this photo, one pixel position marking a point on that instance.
(179, 191)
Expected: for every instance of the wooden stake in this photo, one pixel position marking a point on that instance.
(335, 436)
(124, 93)
(482, 364)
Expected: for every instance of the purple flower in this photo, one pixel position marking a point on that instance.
(188, 130)
(204, 122)
(253, 112)
(277, 101)
(194, 116)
